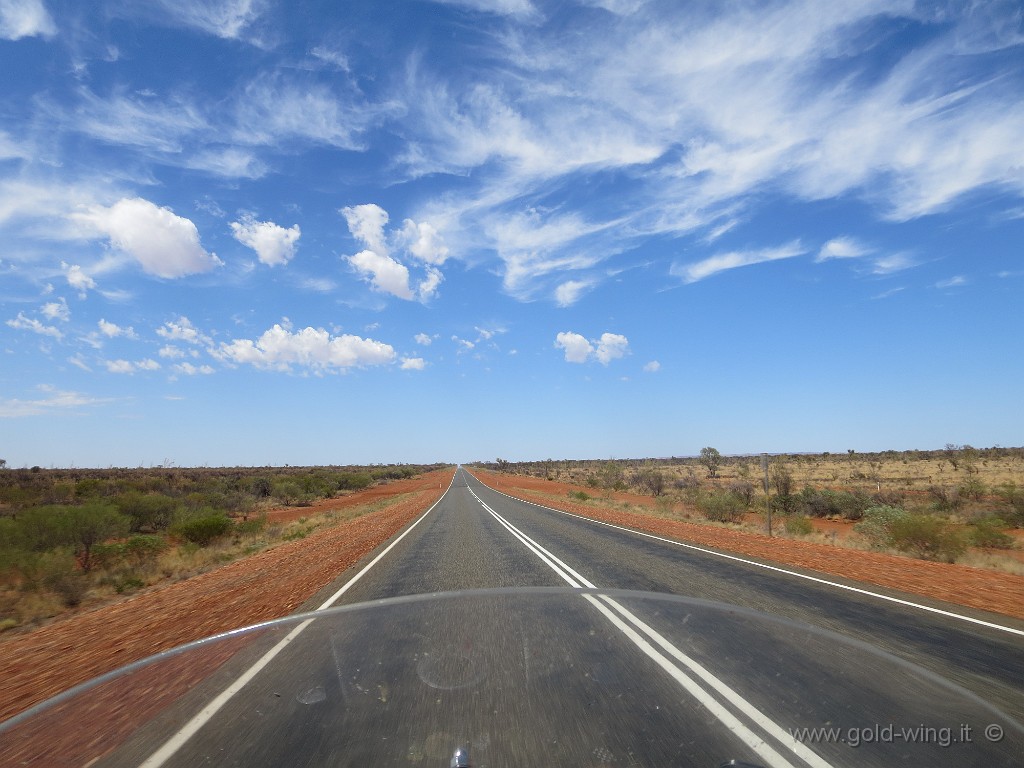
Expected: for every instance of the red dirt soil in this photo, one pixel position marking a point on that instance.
(267, 585)
(960, 584)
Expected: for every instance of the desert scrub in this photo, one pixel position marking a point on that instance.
(721, 507)
(204, 529)
(928, 537)
(989, 533)
(877, 524)
(798, 525)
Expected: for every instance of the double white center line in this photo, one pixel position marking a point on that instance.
(683, 669)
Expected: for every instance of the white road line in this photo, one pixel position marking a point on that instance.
(858, 590)
(727, 718)
(177, 741)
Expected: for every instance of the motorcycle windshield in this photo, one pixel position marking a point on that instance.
(514, 678)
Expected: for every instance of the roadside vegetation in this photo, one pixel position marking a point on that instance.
(70, 537)
(958, 504)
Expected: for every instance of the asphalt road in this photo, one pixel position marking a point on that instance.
(575, 676)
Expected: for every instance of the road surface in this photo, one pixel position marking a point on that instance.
(565, 678)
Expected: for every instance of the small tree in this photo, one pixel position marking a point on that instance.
(712, 459)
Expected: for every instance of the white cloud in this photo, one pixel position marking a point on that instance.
(896, 262)
(569, 292)
(113, 330)
(413, 364)
(379, 266)
(424, 242)
(383, 272)
(842, 248)
(366, 223)
(274, 110)
(691, 273)
(274, 245)
(25, 18)
(183, 330)
(164, 244)
(427, 288)
(223, 18)
(312, 348)
(611, 346)
(577, 348)
(56, 310)
(77, 278)
(23, 323)
(522, 8)
(193, 370)
(54, 400)
(79, 362)
(652, 367)
(120, 366)
(952, 282)
(171, 353)
(423, 339)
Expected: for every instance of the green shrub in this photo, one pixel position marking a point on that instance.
(877, 523)
(928, 537)
(579, 495)
(251, 526)
(798, 525)
(205, 529)
(721, 507)
(989, 533)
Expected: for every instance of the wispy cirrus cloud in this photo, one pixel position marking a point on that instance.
(52, 400)
(705, 268)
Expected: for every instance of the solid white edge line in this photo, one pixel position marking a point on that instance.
(859, 590)
(178, 740)
(730, 721)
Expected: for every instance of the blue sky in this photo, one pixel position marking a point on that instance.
(248, 232)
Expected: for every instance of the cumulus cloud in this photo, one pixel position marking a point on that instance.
(164, 244)
(413, 364)
(378, 263)
(25, 18)
(652, 367)
(383, 273)
(23, 323)
(424, 242)
(311, 348)
(113, 330)
(171, 353)
(77, 279)
(193, 370)
(274, 245)
(183, 330)
(578, 349)
(691, 273)
(423, 339)
(56, 310)
(611, 346)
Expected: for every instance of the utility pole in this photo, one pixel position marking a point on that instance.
(767, 494)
